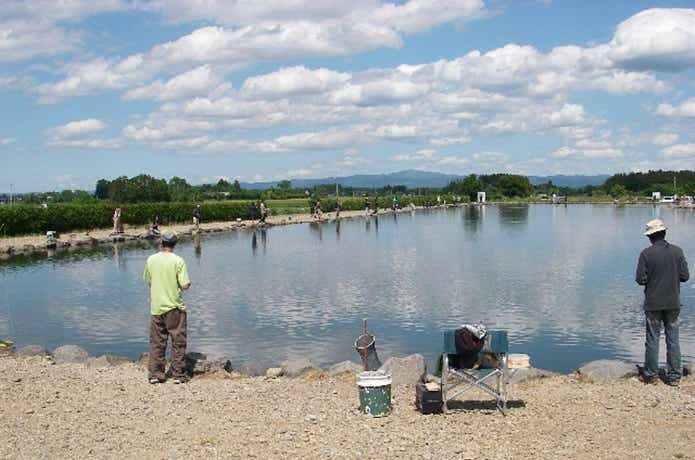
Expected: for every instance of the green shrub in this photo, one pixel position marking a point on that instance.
(23, 219)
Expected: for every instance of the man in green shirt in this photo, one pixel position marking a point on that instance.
(167, 276)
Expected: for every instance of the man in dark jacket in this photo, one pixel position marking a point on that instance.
(661, 269)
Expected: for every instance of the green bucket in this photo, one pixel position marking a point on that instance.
(375, 393)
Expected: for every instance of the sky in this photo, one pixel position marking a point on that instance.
(279, 89)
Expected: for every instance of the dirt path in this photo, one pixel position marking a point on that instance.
(71, 411)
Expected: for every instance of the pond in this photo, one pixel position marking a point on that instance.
(559, 278)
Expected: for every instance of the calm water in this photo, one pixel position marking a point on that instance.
(559, 278)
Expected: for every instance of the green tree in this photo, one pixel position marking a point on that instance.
(468, 187)
(618, 190)
(102, 189)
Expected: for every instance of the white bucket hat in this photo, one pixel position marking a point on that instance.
(654, 226)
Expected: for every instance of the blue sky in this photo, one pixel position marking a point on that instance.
(208, 89)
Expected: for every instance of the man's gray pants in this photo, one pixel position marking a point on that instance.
(673, 351)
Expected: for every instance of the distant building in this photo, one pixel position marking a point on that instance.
(656, 196)
(482, 197)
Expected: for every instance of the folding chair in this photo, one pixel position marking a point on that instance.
(493, 381)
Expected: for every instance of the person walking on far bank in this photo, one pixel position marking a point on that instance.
(117, 223)
(167, 276)
(264, 212)
(661, 269)
(196, 217)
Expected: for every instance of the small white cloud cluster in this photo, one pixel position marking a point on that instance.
(78, 134)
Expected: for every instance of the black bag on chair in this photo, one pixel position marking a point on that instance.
(468, 348)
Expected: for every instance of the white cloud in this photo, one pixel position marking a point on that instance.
(291, 81)
(679, 151)
(658, 38)
(77, 134)
(345, 32)
(7, 141)
(352, 159)
(587, 153)
(198, 81)
(424, 154)
(86, 143)
(397, 131)
(27, 39)
(243, 12)
(686, 109)
(78, 128)
(568, 115)
(665, 139)
(30, 29)
(450, 140)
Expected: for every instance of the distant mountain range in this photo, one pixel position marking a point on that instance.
(413, 178)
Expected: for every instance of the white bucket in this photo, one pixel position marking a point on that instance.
(375, 393)
(373, 379)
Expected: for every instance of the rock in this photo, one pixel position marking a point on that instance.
(106, 361)
(252, 369)
(28, 248)
(607, 369)
(33, 350)
(274, 372)
(198, 363)
(116, 360)
(405, 371)
(82, 241)
(70, 354)
(296, 367)
(529, 373)
(689, 369)
(101, 361)
(345, 366)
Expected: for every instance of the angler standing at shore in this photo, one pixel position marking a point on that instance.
(661, 269)
(167, 276)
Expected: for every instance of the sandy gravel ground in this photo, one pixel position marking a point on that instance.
(71, 411)
(17, 242)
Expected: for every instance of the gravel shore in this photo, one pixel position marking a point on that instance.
(73, 411)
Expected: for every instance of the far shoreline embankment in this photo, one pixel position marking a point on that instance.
(80, 239)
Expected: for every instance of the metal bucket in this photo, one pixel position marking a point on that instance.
(375, 393)
(366, 347)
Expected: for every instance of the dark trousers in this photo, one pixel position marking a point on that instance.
(673, 351)
(171, 323)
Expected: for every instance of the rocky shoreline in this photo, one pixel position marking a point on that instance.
(406, 370)
(72, 405)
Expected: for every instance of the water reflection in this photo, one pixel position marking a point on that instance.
(316, 230)
(513, 214)
(118, 256)
(197, 247)
(565, 295)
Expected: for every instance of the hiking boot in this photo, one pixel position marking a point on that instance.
(672, 382)
(155, 380)
(180, 380)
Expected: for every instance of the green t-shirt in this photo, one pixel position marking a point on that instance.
(165, 272)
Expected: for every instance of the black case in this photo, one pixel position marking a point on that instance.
(428, 402)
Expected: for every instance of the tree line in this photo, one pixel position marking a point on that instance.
(148, 189)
